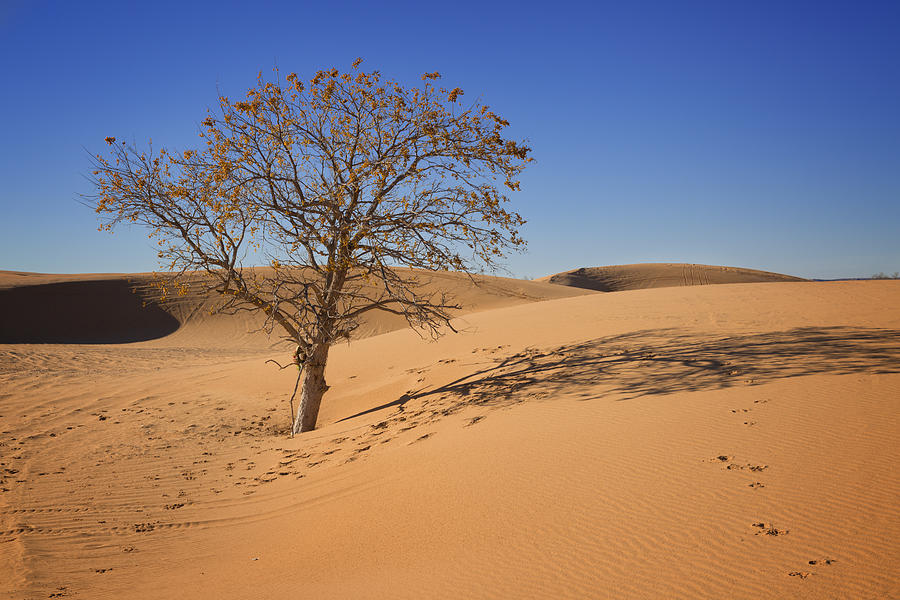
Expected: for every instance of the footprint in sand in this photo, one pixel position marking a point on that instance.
(733, 466)
(769, 529)
(746, 410)
(754, 468)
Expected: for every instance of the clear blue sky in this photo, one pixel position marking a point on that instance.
(757, 134)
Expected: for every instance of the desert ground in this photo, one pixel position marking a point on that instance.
(664, 439)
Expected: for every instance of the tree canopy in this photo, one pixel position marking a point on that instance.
(338, 182)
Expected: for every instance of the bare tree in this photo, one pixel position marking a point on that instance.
(339, 183)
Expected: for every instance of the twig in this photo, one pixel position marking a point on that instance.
(296, 384)
(279, 364)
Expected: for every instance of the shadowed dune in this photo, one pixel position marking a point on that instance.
(80, 312)
(618, 278)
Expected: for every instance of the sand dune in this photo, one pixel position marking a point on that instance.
(619, 278)
(113, 309)
(728, 441)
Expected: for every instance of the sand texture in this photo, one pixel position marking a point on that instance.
(727, 441)
(618, 278)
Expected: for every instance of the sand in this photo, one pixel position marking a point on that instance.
(727, 441)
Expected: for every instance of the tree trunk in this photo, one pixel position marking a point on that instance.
(312, 389)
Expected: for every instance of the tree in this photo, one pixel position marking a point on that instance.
(339, 183)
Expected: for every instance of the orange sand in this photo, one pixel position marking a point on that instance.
(682, 442)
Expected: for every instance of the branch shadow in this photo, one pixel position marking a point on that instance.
(660, 362)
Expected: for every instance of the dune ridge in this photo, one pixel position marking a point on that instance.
(617, 278)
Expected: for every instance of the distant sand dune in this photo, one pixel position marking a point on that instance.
(654, 275)
(113, 309)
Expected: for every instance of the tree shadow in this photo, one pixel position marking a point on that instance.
(663, 361)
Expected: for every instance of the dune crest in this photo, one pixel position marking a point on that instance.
(617, 278)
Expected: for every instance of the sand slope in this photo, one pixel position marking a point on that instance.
(730, 441)
(618, 278)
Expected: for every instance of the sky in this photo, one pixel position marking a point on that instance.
(753, 134)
